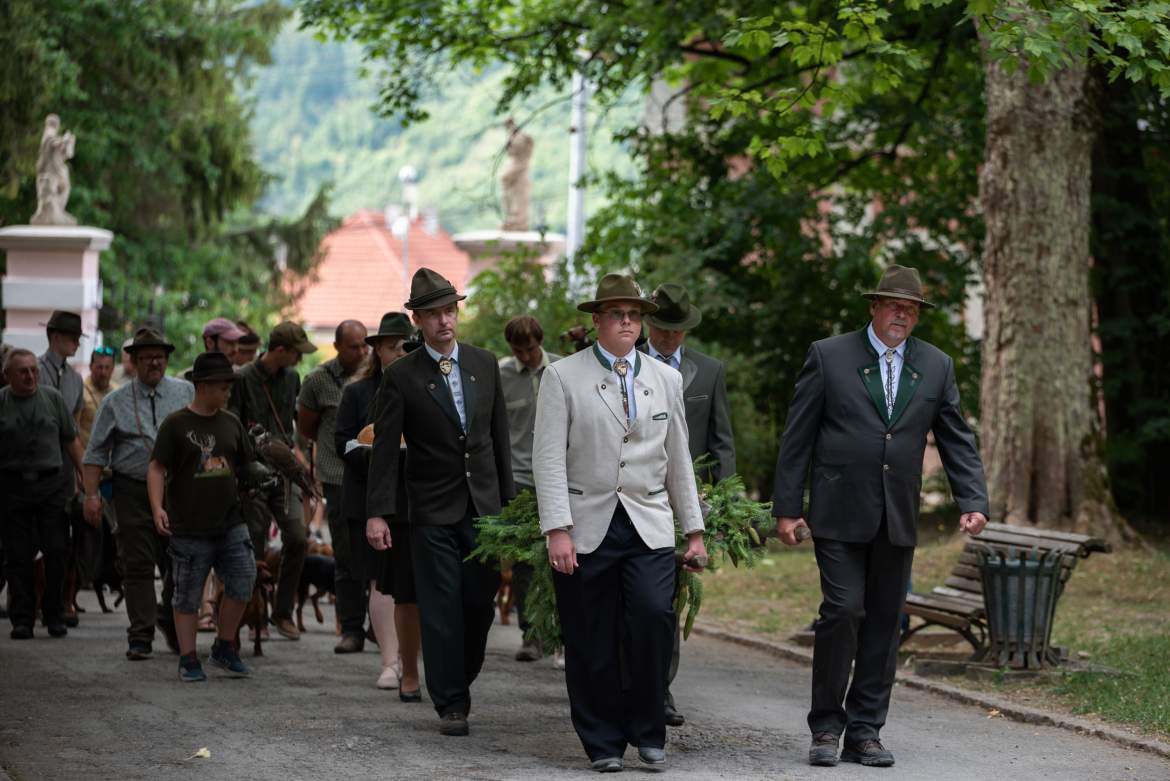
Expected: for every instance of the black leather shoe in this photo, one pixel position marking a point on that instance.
(414, 696)
(652, 758)
(607, 765)
(673, 717)
(823, 751)
(22, 632)
(870, 753)
(453, 724)
(71, 621)
(350, 644)
(57, 629)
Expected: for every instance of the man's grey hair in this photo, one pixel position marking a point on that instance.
(14, 353)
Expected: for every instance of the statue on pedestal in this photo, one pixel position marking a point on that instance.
(514, 182)
(53, 175)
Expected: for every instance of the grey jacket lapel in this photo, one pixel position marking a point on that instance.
(690, 370)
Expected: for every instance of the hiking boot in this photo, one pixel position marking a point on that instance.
(529, 652)
(823, 751)
(190, 671)
(870, 753)
(22, 632)
(138, 651)
(350, 644)
(453, 724)
(224, 656)
(287, 629)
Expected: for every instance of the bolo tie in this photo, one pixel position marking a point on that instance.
(889, 383)
(621, 367)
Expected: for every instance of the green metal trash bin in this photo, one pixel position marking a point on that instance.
(1020, 589)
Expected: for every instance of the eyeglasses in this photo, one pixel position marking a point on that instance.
(151, 358)
(104, 350)
(618, 315)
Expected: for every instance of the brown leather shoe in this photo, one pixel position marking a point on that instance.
(823, 751)
(870, 753)
(288, 629)
(453, 724)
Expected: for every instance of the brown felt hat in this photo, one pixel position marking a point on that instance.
(618, 287)
(675, 310)
(431, 290)
(148, 337)
(900, 282)
(65, 322)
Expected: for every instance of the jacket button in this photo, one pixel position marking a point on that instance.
(889, 437)
(619, 489)
(622, 465)
(460, 437)
(625, 439)
(885, 467)
(645, 393)
(603, 386)
(469, 474)
(467, 455)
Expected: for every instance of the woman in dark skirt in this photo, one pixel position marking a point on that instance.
(393, 607)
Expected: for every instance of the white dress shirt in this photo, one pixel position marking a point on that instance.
(899, 358)
(673, 361)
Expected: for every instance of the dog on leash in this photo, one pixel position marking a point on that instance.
(108, 575)
(318, 572)
(504, 596)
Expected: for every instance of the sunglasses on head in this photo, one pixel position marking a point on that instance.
(104, 350)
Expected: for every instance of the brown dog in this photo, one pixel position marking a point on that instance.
(504, 594)
(256, 611)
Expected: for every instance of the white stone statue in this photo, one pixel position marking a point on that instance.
(514, 182)
(53, 175)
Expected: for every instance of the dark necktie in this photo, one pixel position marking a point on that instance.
(153, 415)
(665, 359)
(621, 367)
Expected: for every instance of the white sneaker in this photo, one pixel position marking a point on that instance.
(559, 659)
(389, 678)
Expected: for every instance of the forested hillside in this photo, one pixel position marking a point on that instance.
(314, 122)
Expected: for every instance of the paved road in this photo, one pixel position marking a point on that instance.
(76, 709)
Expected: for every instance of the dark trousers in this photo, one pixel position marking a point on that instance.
(456, 602)
(32, 519)
(863, 587)
(140, 550)
(282, 504)
(351, 581)
(617, 602)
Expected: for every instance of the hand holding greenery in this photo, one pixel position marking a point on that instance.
(514, 535)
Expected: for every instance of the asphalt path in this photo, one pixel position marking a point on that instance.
(77, 709)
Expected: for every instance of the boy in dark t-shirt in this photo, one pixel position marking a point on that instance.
(198, 453)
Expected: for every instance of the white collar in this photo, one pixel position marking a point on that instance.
(438, 356)
(630, 356)
(880, 347)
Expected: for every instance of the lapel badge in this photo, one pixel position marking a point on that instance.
(430, 386)
(914, 375)
(867, 371)
(472, 377)
(445, 366)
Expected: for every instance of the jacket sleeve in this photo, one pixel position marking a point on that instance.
(347, 426)
(382, 490)
(501, 439)
(681, 486)
(958, 451)
(720, 440)
(799, 438)
(550, 444)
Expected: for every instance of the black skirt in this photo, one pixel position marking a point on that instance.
(393, 569)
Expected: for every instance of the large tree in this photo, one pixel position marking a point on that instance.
(164, 156)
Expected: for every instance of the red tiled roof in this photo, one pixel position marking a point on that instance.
(359, 275)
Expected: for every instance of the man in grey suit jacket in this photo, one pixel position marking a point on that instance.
(708, 414)
(864, 404)
(612, 472)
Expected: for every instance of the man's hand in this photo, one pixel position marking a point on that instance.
(378, 533)
(972, 523)
(562, 554)
(162, 523)
(92, 510)
(695, 559)
(788, 530)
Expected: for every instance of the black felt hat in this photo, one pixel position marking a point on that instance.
(430, 290)
(393, 324)
(65, 322)
(212, 367)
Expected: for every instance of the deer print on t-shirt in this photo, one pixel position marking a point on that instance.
(209, 465)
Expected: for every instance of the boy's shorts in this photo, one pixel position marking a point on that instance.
(231, 555)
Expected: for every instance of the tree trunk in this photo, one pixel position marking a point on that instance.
(1040, 426)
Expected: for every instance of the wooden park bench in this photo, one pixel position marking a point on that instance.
(957, 605)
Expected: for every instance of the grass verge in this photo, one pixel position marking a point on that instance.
(1115, 612)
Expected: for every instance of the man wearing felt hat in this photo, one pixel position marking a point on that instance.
(124, 432)
(267, 396)
(862, 409)
(64, 332)
(444, 400)
(613, 471)
(708, 414)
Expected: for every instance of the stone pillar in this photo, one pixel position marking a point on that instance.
(51, 267)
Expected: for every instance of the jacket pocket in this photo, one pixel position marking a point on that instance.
(660, 416)
(704, 397)
(576, 492)
(656, 491)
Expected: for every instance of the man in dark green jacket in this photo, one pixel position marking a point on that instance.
(864, 404)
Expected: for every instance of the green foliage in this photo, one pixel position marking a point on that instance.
(1141, 696)
(164, 158)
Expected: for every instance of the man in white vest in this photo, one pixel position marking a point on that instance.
(613, 470)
